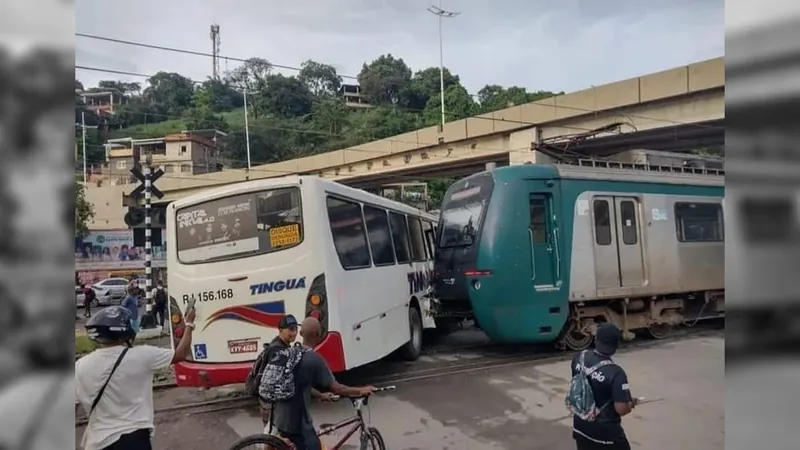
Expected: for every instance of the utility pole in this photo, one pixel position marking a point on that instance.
(246, 130)
(148, 225)
(441, 13)
(215, 41)
(83, 144)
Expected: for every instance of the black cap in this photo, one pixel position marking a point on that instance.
(606, 341)
(287, 321)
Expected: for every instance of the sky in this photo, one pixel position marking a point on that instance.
(555, 45)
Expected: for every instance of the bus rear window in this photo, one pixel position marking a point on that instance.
(239, 226)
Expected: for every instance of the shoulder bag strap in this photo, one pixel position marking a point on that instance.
(103, 389)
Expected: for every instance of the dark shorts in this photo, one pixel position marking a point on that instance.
(587, 443)
(307, 439)
(136, 440)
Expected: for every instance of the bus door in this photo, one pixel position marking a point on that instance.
(618, 254)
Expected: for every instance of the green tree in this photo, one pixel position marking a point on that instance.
(286, 97)
(222, 96)
(384, 80)
(426, 84)
(169, 93)
(201, 115)
(458, 104)
(321, 79)
(251, 77)
(493, 97)
(84, 211)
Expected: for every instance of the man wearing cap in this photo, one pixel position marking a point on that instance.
(287, 334)
(611, 392)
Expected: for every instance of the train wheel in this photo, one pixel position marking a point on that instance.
(413, 348)
(576, 339)
(659, 330)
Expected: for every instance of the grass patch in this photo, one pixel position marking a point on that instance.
(84, 345)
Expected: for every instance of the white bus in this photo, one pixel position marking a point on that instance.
(252, 252)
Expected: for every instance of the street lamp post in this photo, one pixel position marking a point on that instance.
(441, 13)
(246, 130)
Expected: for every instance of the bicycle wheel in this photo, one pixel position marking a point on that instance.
(261, 442)
(372, 440)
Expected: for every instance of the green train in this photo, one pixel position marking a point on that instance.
(545, 253)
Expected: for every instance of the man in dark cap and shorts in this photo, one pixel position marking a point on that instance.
(287, 334)
(609, 384)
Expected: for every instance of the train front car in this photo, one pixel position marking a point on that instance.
(554, 250)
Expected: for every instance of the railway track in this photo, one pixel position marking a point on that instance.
(493, 356)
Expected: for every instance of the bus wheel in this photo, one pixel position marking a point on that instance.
(413, 348)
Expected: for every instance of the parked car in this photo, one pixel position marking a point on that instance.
(110, 291)
(79, 297)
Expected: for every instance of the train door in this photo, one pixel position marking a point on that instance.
(617, 242)
(543, 236)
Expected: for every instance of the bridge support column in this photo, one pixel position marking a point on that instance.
(520, 145)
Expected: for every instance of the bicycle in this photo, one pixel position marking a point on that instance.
(370, 438)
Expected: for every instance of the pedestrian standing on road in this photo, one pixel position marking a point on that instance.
(601, 429)
(131, 303)
(114, 383)
(88, 297)
(160, 306)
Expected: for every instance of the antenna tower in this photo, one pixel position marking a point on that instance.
(215, 41)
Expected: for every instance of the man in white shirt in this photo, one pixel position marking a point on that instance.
(122, 417)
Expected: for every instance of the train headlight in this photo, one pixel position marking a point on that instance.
(477, 285)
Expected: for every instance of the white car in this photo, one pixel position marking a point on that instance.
(110, 291)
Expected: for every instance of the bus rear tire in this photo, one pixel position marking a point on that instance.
(412, 349)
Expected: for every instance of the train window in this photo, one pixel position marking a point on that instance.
(699, 222)
(602, 222)
(349, 236)
(538, 224)
(380, 238)
(399, 229)
(627, 214)
(417, 240)
(430, 239)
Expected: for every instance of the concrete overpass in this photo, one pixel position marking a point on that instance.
(678, 109)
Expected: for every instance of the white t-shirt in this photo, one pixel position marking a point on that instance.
(127, 403)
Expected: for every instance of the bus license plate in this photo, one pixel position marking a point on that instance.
(243, 346)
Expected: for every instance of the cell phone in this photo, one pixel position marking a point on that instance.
(190, 306)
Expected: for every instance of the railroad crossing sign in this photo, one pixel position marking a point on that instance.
(136, 193)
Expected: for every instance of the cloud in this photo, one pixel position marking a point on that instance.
(539, 44)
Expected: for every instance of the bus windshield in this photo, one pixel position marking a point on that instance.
(240, 225)
(459, 225)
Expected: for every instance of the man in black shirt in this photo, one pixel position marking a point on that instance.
(293, 417)
(611, 393)
(287, 333)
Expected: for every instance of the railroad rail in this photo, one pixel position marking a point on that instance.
(496, 356)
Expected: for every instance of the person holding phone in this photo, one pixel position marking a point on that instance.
(114, 383)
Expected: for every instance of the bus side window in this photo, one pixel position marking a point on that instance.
(380, 238)
(349, 237)
(418, 252)
(430, 238)
(399, 229)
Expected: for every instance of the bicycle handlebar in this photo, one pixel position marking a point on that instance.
(380, 389)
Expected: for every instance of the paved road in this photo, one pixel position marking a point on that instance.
(512, 407)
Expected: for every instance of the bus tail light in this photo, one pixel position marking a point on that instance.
(175, 321)
(316, 302)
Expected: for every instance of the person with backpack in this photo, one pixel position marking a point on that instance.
(599, 395)
(160, 304)
(291, 393)
(287, 334)
(114, 383)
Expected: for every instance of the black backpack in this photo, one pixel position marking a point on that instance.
(253, 380)
(161, 297)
